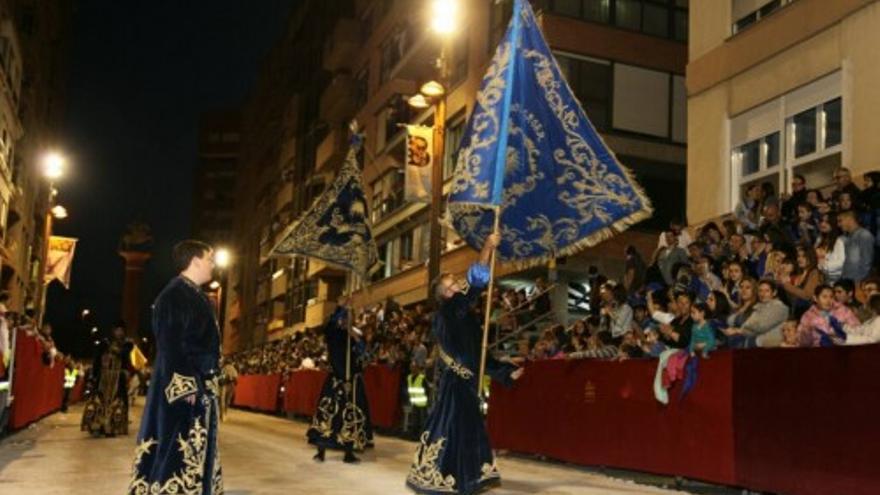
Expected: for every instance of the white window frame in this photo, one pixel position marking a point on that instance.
(777, 116)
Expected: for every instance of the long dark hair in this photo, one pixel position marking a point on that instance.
(827, 240)
(722, 306)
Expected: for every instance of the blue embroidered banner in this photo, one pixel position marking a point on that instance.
(335, 229)
(530, 151)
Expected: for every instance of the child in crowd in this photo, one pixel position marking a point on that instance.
(702, 334)
(790, 334)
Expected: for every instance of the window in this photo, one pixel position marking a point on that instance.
(387, 194)
(590, 80)
(748, 12)
(832, 118)
(799, 133)
(637, 107)
(407, 250)
(361, 87)
(454, 134)
(396, 112)
(393, 49)
(628, 14)
(499, 16)
(655, 20)
(589, 10)
(662, 18)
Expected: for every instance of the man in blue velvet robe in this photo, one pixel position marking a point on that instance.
(177, 443)
(342, 416)
(454, 455)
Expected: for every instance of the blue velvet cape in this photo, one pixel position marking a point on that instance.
(177, 444)
(337, 419)
(454, 455)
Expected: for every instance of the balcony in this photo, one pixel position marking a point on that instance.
(332, 149)
(339, 99)
(317, 312)
(319, 268)
(279, 282)
(284, 198)
(343, 46)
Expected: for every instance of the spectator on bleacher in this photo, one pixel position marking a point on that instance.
(705, 281)
(843, 184)
(677, 333)
(867, 332)
(666, 257)
(845, 293)
(790, 337)
(616, 313)
(858, 247)
(797, 197)
(807, 276)
(774, 229)
(641, 318)
(830, 248)
(680, 231)
(542, 304)
(762, 328)
(759, 255)
(702, 333)
(747, 212)
(804, 229)
(820, 325)
(734, 274)
(634, 271)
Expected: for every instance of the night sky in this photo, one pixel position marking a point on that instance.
(139, 76)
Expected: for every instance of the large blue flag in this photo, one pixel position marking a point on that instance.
(530, 152)
(335, 229)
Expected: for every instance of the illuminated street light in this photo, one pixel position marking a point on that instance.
(418, 101)
(53, 165)
(59, 212)
(444, 14)
(86, 312)
(433, 89)
(214, 285)
(222, 257)
(94, 329)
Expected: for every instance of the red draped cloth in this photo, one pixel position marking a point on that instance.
(799, 421)
(383, 393)
(258, 392)
(37, 388)
(301, 391)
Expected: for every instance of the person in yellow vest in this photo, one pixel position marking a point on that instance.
(70, 375)
(417, 393)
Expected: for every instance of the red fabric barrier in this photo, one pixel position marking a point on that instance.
(383, 392)
(301, 391)
(258, 392)
(37, 388)
(793, 421)
(604, 413)
(806, 420)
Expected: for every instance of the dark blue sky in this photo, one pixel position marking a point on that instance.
(139, 75)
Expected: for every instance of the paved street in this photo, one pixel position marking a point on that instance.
(261, 455)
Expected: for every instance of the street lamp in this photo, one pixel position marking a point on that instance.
(443, 21)
(222, 258)
(53, 164)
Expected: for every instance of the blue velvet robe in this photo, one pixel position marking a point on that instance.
(454, 455)
(177, 444)
(337, 419)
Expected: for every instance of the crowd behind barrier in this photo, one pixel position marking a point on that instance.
(782, 272)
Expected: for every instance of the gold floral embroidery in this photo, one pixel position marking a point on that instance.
(180, 386)
(186, 482)
(489, 471)
(322, 422)
(213, 386)
(353, 422)
(354, 419)
(424, 472)
(456, 367)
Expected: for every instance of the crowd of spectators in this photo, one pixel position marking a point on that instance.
(791, 270)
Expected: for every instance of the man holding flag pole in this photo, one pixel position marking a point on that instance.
(335, 230)
(534, 181)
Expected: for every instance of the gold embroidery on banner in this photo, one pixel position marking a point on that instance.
(424, 472)
(455, 366)
(180, 386)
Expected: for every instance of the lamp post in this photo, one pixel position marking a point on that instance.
(53, 164)
(222, 259)
(443, 22)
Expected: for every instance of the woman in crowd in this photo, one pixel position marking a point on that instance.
(825, 319)
(869, 331)
(807, 276)
(748, 294)
(830, 251)
(616, 313)
(634, 276)
(763, 327)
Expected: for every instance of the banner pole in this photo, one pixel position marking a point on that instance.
(487, 319)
